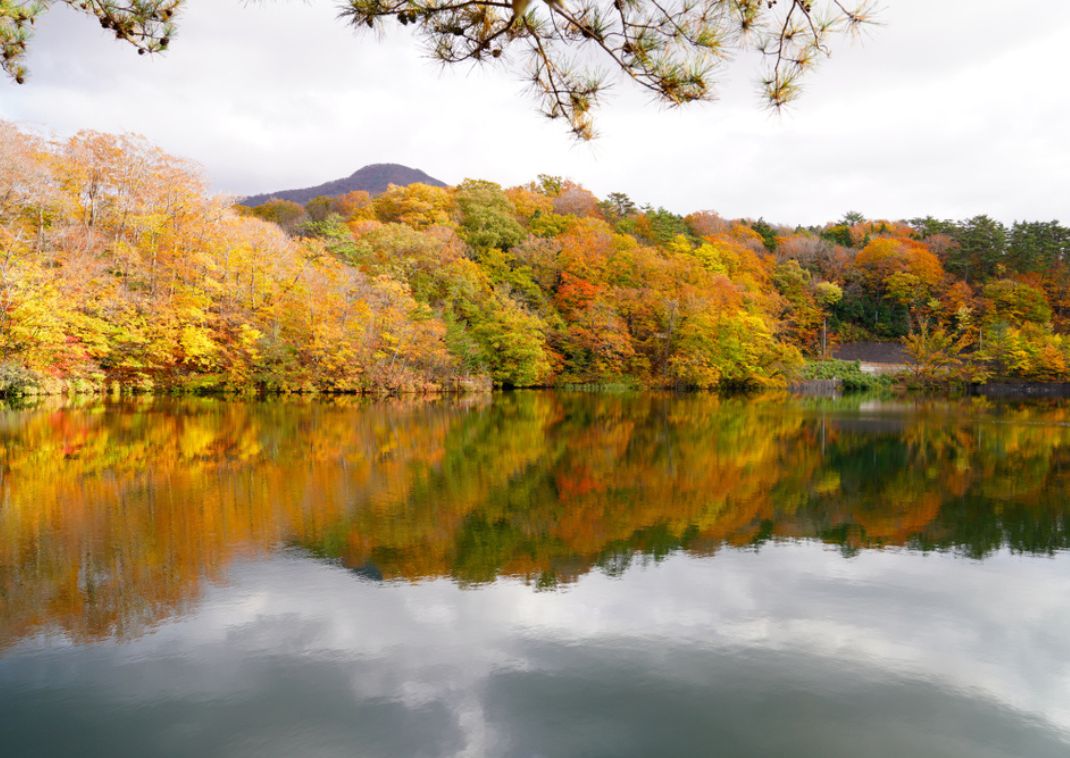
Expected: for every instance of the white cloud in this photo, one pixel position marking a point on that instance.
(950, 108)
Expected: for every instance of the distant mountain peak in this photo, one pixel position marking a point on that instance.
(373, 178)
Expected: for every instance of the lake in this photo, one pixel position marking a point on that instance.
(535, 574)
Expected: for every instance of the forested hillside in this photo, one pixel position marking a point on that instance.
(374, 179)
(118, 269)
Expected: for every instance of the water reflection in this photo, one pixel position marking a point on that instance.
(113, 517)
(721, 577)
(788, 651)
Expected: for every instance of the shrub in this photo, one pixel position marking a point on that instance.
(850, 374)
(16, 380)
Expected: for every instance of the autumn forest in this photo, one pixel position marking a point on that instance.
(119, 271)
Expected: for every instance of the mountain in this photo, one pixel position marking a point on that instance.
(373, 179)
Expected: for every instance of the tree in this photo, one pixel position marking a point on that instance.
(417, 205)
(117, 268)
(897, 271)
(286, 213)
(488, 219)
(321, 207)
(490, 332)
(827, 295)
(1016, 302)
(672, 50)
(1037, 245)
(802, 316)
(982, 243)
(885, 256)
(929, 226)
(617, 205)
(145, 24)
(813, 253)
(336, 237)
(655, 225)
(575, 200)
(706, 223)
(730, 351)
(935, 353)
(767, 232)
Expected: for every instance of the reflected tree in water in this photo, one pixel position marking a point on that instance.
(114, 518)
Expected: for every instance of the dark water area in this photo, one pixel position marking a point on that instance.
(1019, 390)
(536, 574)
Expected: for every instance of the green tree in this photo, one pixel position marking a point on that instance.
(490, 332)
(982, 245)
(1037, 245)
(335, 235)
(827, 294)
(488, 219)
(286, 213)
(767, 232)
(930, 226)
(656, 225)
(319, 208)
(1015, 302)
(617, 205)
(801, 315)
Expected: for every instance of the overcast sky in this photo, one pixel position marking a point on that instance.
(952, 108)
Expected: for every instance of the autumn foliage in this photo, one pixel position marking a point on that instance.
(119, 271)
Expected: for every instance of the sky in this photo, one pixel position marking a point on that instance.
(949, 108)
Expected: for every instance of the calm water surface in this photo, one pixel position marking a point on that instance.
(535, 574)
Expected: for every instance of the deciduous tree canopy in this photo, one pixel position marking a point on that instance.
(118, 269)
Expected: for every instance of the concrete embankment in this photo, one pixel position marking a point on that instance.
(1021, 389)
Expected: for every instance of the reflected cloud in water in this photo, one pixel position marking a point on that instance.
(790, 648)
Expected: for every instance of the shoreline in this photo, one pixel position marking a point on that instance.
(804, 388)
